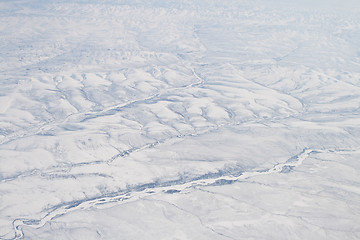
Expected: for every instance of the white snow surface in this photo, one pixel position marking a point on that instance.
(194, 119)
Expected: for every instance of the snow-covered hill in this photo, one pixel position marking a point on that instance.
(179, 119)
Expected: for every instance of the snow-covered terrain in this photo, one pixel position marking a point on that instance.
(194, 119)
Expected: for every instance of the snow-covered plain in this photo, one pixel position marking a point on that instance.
(188, 119)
